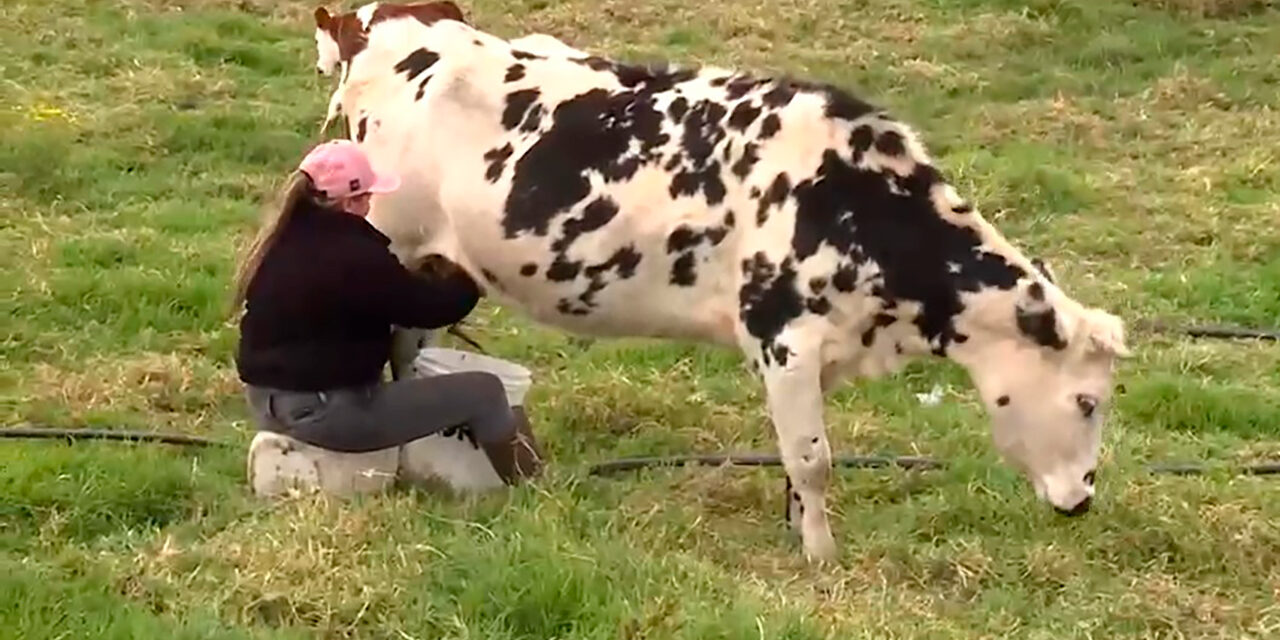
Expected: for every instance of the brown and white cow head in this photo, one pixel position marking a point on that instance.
(1044, 371)
(339, 37)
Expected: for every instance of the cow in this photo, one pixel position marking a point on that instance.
(785, 218)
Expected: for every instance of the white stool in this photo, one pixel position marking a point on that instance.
(278, 464)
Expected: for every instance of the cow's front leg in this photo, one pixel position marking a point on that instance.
(792, 384)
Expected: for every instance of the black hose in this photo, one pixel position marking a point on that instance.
(36, 432)
(756, 460)
(1260, 469)
(1212, 330)
(613, 466)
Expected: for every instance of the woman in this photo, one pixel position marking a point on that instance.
(322, 292)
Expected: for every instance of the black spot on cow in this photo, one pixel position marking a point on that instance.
(684, 237)
(880, 320)
(533, 119)
(596, 63)
(770, 126)
(1042, 268)
(553, 175)
(728, 219)
(689, 182)
(1036, 291)
(860, 141)
(845, 279)
(488, 276)
(422, 87)
(768, 298)
(623, 263)
(529, 269)
(682, 270)
(962, 208)
(524, 55)
(497, 159)
(673, 162)
(843, 105)
(653, 79)
(780, 95)
(684, 240)
(518, 103)
(1041, 326)
(775, 195)
(818, 306)
(719, 82)
(417, 62)
(677, 109)
(514, 73)
(743, 115)
(362, 128)
(750, 156)
(781, 353)
(594, 215)
(816, 285)
(1002, 401)
(853, 211)
(739, 86)
(566, 307)
(702, 131)
(892, 144)
(562, 270)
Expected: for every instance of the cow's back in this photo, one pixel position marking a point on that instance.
(602, 198)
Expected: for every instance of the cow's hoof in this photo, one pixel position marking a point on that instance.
(820, 547)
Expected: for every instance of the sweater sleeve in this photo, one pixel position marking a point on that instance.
(428, 302)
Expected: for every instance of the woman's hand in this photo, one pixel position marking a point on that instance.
(435, 265)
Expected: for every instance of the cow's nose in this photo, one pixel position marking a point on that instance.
(1080, 509)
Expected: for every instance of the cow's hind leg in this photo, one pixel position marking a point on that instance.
(792, 384)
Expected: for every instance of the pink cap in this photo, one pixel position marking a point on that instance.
(340, 169)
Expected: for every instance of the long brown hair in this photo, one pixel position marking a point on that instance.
(298, 191)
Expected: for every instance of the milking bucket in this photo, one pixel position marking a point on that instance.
(452, 457)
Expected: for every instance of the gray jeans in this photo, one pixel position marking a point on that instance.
(387, 415)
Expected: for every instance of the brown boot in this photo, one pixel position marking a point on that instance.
(518, 458)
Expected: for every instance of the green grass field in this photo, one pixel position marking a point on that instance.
(138, 139)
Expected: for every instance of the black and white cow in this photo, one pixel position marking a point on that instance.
(787, 219)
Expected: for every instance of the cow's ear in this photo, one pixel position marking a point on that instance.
(322, 18)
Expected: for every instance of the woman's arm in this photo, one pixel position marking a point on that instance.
(442, 295)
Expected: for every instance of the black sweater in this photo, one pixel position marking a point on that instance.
(320, 308)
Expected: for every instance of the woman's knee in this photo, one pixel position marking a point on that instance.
(485, 386)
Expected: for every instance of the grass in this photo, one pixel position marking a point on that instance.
(138, 139)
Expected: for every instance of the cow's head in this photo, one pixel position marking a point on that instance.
(1043, 365)
(339, 37)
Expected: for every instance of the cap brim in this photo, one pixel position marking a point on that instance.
(385, 183)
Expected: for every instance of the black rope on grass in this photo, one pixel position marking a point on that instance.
(1212, 330)
(1193, 469)
(756, 460)
(39, 432)
(631, 464)
(612, 467)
